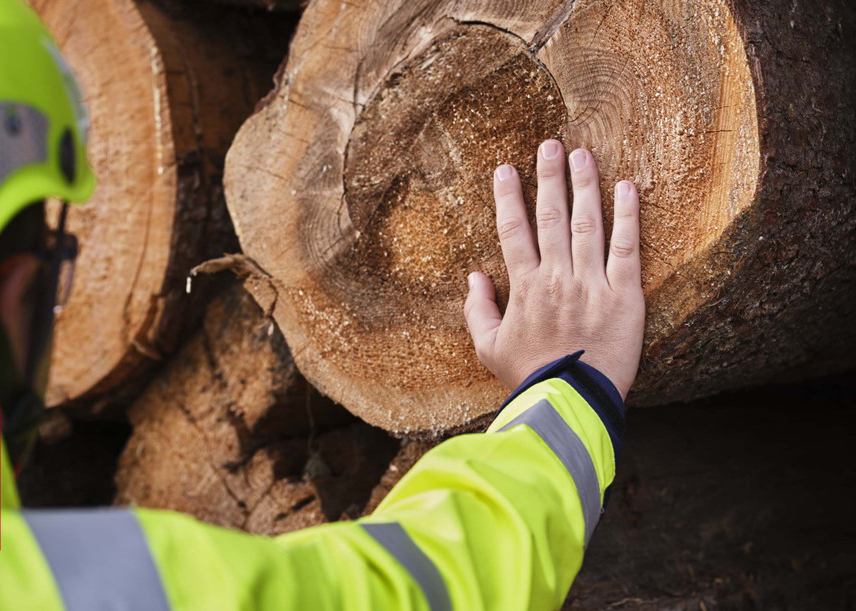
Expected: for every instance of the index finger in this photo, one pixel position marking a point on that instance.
(512, 224)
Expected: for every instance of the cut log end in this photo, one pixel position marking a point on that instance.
(377, 168)
(166, 93)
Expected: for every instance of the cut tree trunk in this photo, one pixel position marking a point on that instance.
(363, 185)
(166, 92)
(232, 434)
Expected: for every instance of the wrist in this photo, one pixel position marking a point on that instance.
(592, 384)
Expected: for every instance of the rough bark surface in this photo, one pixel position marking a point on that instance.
(166, 90)
(231, 433)
(362, 186)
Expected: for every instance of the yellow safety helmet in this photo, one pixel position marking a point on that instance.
(43, 124)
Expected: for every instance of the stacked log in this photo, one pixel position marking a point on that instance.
(166, 90)
(231, 433)
(363, 186)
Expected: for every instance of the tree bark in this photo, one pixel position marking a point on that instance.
(166, 91)
(232, 434)
(363, 186)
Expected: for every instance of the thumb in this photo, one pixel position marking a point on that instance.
(482, 314)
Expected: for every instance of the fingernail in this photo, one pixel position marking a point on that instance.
(471, 279)
(622, 189)
(504, 172)
(549, 149)
(579, 160)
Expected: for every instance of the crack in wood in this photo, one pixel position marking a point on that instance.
(551, 26)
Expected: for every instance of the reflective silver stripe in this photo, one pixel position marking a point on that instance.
(23, 137)
(100, 559)
(398, 543)
(569, 448)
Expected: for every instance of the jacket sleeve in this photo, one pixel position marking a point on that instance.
(495, 520)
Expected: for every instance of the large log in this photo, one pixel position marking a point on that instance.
(363, 186)
(231, 433)
(166, 91)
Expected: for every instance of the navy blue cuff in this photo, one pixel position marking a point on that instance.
(592, 386)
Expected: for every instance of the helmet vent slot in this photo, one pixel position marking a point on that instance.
(66, 156)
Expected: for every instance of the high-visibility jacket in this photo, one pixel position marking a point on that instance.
(495, 520)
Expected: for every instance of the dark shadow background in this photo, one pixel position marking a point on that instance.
(741, 501)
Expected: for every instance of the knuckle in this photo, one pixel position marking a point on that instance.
(521, 286)
(579, 291)
(583, 225)
(548, 217)
(506, 192)
(553, 283)
(626, 212)
(583, 180)
(509, 228)
(550, 169)
(622, 248)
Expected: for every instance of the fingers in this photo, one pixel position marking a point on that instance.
(482, 314)
(512, 224)
(551, 212)
(586, 217)
(623, 269)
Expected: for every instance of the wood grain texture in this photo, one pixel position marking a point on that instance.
(166, 91)
(362, 187)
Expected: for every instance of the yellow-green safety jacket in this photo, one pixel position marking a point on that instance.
(495, 520)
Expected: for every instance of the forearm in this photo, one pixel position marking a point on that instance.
(496, 520)
(501, 515)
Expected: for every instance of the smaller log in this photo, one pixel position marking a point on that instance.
(340, 471)
(166, 89)
(232, 434)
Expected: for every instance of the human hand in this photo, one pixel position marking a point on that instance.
(565, 298)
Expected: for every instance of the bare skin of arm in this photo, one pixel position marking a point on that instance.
(565, 294)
